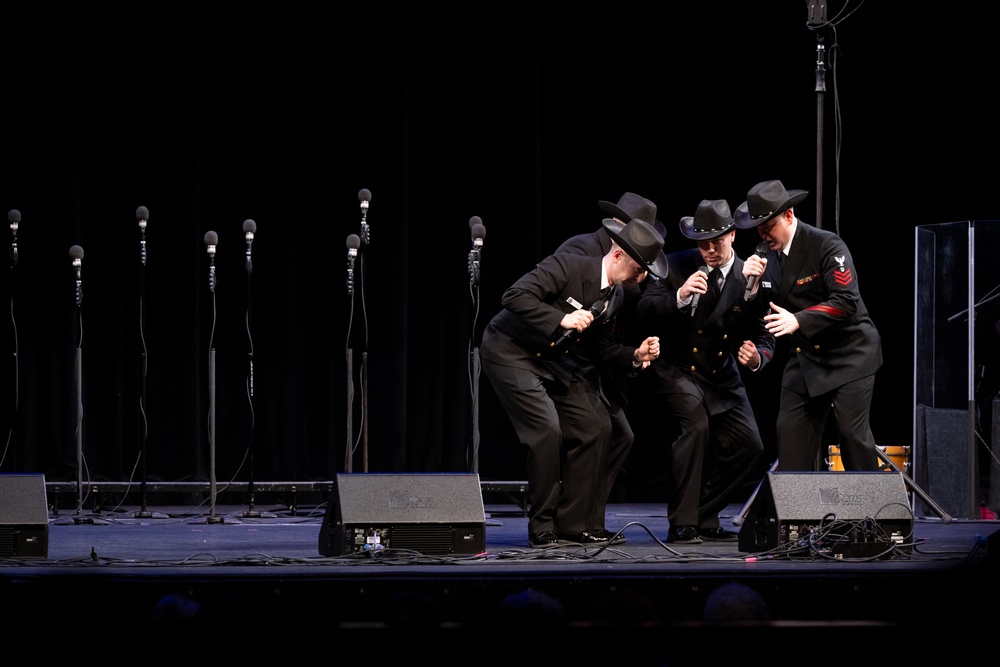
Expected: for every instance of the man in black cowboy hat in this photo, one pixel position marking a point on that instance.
(614, 384)
(809, 280)
(543, 353)
(697, 386)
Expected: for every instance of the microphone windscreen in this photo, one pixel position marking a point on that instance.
(76, 252)
(364, 195)
(249, 227)
(142, 213)
(353, 242)
(14, 216)
(475, 220)
(478, 231)
(211, 238)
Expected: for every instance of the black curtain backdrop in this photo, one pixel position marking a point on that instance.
(522, 119)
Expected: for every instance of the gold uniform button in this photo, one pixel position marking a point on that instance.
(693, 369)
(798, 350)
(719, 353)
(725, 336)
(694, 350)
(816, 347)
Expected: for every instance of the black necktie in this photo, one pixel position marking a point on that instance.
(715, 281)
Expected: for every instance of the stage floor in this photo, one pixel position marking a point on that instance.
(230, 566)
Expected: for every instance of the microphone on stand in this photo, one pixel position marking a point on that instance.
(760, 251)
(76, 254)
(478, 234)
(211, 240)
(249, 227)
(353, 243)
(142, 215)
(694, 300)
(364, 197)
(14, 217)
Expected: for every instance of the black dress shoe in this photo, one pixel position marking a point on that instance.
(545, 540)
(683, 535)
(718, 534)
(586, 538)
(608, 536)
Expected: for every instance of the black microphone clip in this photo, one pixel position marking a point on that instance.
(249, 229)
(478, 234)
(76, 254)
(365, 196)
(353, 243)
(211, 240)
(142, 215)
(14, 217)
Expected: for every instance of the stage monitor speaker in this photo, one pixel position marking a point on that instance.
(429, 513)
(24, 516)
(848, 514)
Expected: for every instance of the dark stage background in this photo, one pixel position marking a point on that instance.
(525, 119)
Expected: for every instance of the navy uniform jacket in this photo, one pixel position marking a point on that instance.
(697, 353)
(521, 333)
(836, 342)
(598, 244)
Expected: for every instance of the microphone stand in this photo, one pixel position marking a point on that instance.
(365, 239)
(353, 243)
(360, 242)
(14, 217)
(250, 227)
(250, 512)
(211, 239)
(475, 256)
(76, 252)
(78, 376)
(817, 19)
(143, 511)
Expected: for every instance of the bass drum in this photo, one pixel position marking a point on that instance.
(898, 454)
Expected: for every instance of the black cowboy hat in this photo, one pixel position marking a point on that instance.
(631, 205)
(642, 243)
(711, 220)
(766, 201)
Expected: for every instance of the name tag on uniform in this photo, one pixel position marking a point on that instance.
(766, 284)
(573, 302)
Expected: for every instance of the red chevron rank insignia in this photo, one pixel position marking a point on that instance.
(843, 276)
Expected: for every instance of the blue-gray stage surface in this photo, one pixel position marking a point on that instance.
(235, 566)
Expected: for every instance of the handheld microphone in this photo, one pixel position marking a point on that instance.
(249, 227)
(353, 243)
(142, 215)
(365, 197)
(14, 217)
(694, 300)
(595, 310)
(76, 254)
(761, 252)
(211, 240)
(478, 234)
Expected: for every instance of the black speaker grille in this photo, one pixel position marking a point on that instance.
(427, 539)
